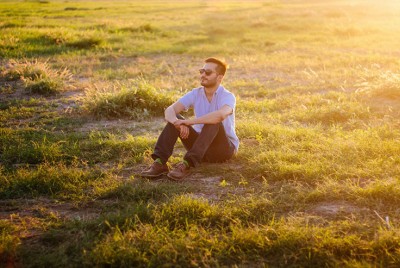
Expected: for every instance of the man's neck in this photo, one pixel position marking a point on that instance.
(211, 90)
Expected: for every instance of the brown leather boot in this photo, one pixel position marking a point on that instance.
(179, 172)
(155, 170)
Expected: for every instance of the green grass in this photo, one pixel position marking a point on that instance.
(83, 87)
(29, 146)
(214, 235)
(8, 242)
(57, 181)
(102, 147)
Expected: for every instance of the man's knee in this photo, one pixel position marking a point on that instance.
(171, 127)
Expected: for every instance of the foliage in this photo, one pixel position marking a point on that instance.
(47, 179)
(137, 99)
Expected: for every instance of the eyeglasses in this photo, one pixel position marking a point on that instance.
(208, 72)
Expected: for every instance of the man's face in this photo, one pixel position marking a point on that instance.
(209, 76)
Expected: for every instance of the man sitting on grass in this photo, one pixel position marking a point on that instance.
(209, 137)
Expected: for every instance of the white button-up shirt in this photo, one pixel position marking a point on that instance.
(198, 100)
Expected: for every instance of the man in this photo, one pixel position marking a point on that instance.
(210, 136)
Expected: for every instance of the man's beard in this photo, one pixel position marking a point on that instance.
(207, 83)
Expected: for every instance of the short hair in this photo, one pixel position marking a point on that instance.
(221, 66)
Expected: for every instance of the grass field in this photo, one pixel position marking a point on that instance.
(316, 182)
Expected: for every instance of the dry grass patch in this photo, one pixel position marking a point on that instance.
(378, 83)
(136, 99)
(38, 77)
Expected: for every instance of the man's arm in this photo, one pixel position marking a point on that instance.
(170, 115)
(172, 110)
(211, 118)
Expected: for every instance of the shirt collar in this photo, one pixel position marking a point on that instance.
(219, 89)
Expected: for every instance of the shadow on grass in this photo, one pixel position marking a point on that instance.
(67, 242)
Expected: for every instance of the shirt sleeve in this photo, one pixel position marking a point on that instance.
(229, 100)
(188, 99)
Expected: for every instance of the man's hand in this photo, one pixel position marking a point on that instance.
(178, 123)
(184, 131)
(181, 125)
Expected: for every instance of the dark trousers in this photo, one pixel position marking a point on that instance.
(210, 145)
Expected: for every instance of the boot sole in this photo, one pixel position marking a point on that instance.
(152, 176)
(177, 179)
